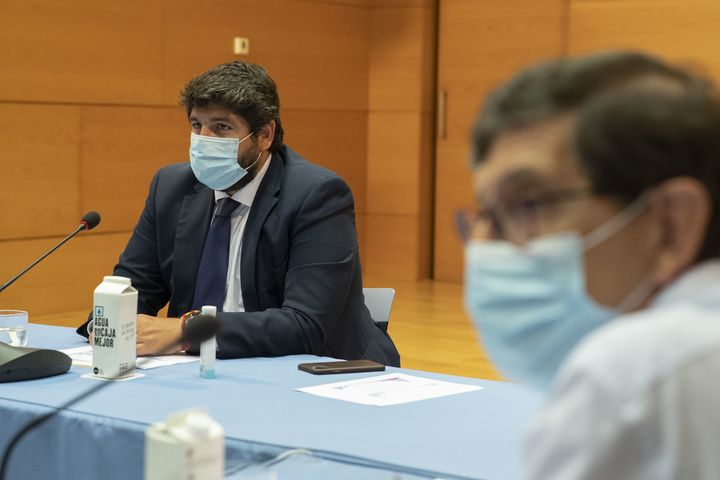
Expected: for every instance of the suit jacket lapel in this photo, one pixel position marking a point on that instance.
(263, 204)
(193, 225)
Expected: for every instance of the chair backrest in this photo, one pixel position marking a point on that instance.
(379, 301)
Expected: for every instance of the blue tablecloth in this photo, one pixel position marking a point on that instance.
(470, 435)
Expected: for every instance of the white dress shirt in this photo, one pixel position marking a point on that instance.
(245, 196)
(640, 397)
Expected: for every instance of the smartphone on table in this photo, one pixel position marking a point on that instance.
(345, 366)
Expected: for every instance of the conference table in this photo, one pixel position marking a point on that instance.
(271, 429)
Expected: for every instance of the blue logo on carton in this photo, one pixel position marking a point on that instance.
(98, 311)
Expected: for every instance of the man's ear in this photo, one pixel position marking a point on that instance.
(266, 134)
(681, 209)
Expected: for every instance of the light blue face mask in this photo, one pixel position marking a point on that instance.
(529, 303)
(214, 160)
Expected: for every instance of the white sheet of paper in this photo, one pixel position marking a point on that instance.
(82, 356)
(389, 389)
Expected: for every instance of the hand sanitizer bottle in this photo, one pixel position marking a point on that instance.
(208, 349)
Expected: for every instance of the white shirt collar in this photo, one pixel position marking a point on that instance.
(699, 281)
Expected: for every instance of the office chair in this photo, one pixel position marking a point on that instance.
(379, 301)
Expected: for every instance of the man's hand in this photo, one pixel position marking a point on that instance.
(158, 335)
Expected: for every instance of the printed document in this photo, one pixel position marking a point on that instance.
(389, 389)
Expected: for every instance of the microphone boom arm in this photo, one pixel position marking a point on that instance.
(10, 282)
(88, 222)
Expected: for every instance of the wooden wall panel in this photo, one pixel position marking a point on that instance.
(138, 52)
(402, 66)
(400, 122)
(393, 162)
(121, 149)
(401, 3)
(353, 3)
(480, 44)
(39, 159)
(399, 197)
(317, 53)
(65, 280)
(681, 31)
(81, 51)
(393, 251)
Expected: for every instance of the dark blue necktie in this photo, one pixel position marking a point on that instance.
(212, 275)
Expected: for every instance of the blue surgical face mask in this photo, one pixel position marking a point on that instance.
(214, 160)
(529, 303)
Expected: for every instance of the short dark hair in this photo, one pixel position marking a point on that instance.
(245, 89)
(639, 121)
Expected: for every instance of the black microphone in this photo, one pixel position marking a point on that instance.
(203, 328)
(197, 331)
(88, 222)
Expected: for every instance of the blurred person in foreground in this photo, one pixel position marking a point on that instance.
(284, 271)
(592, 267)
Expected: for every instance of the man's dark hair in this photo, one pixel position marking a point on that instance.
(639, 122)
(243, 88)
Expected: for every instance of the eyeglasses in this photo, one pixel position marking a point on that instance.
(516, 220)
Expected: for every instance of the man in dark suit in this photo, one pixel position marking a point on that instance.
(294, 283)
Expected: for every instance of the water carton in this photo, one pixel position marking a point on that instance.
(114, 320)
